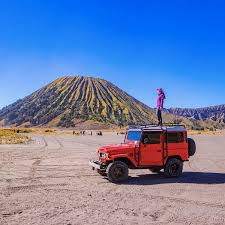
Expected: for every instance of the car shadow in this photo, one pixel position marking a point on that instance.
(186, 178)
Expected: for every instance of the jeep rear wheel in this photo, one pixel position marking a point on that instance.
(173, 168)
(117, 171)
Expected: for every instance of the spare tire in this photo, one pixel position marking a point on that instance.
(191, 147)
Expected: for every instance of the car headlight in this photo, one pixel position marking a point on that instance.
(103, 155)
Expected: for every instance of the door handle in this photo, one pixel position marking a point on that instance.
(159, 150)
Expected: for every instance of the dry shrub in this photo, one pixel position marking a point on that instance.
(10, 136)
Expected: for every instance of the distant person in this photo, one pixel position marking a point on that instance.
(160, 101)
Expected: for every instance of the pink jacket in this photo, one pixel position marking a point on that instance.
(160, 101)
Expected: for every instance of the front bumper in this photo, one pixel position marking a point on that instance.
(96, 165)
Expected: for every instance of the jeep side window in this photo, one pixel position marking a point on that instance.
(151, 138)
(175, 137)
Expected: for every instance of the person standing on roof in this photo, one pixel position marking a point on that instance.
(160, 101)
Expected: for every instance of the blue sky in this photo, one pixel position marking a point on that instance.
(138, 45)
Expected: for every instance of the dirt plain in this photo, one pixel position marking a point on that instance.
(48, 181)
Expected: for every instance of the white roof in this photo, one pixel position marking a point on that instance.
(175, 128)
(158, 128)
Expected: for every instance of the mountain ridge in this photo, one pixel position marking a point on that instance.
(214, 113)
(71, 100)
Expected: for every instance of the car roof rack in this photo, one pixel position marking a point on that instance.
(156, 126)
(174, 125)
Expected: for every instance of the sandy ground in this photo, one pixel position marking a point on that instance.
(49, 182)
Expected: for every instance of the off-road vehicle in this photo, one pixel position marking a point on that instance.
(146, 147)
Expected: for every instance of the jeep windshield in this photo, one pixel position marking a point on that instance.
(134, 136)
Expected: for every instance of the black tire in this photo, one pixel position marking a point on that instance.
(102, 173)
(191, 147)
(155, 170)
(173, 168)
(117, 171)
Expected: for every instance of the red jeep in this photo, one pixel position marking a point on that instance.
(146, 147)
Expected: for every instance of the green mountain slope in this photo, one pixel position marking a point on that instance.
(69, 101)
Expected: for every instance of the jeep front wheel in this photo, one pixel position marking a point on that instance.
(173, 168)
(117, 171)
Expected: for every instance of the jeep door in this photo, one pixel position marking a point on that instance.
(151, 149)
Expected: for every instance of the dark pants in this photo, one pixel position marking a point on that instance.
(159, 115)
